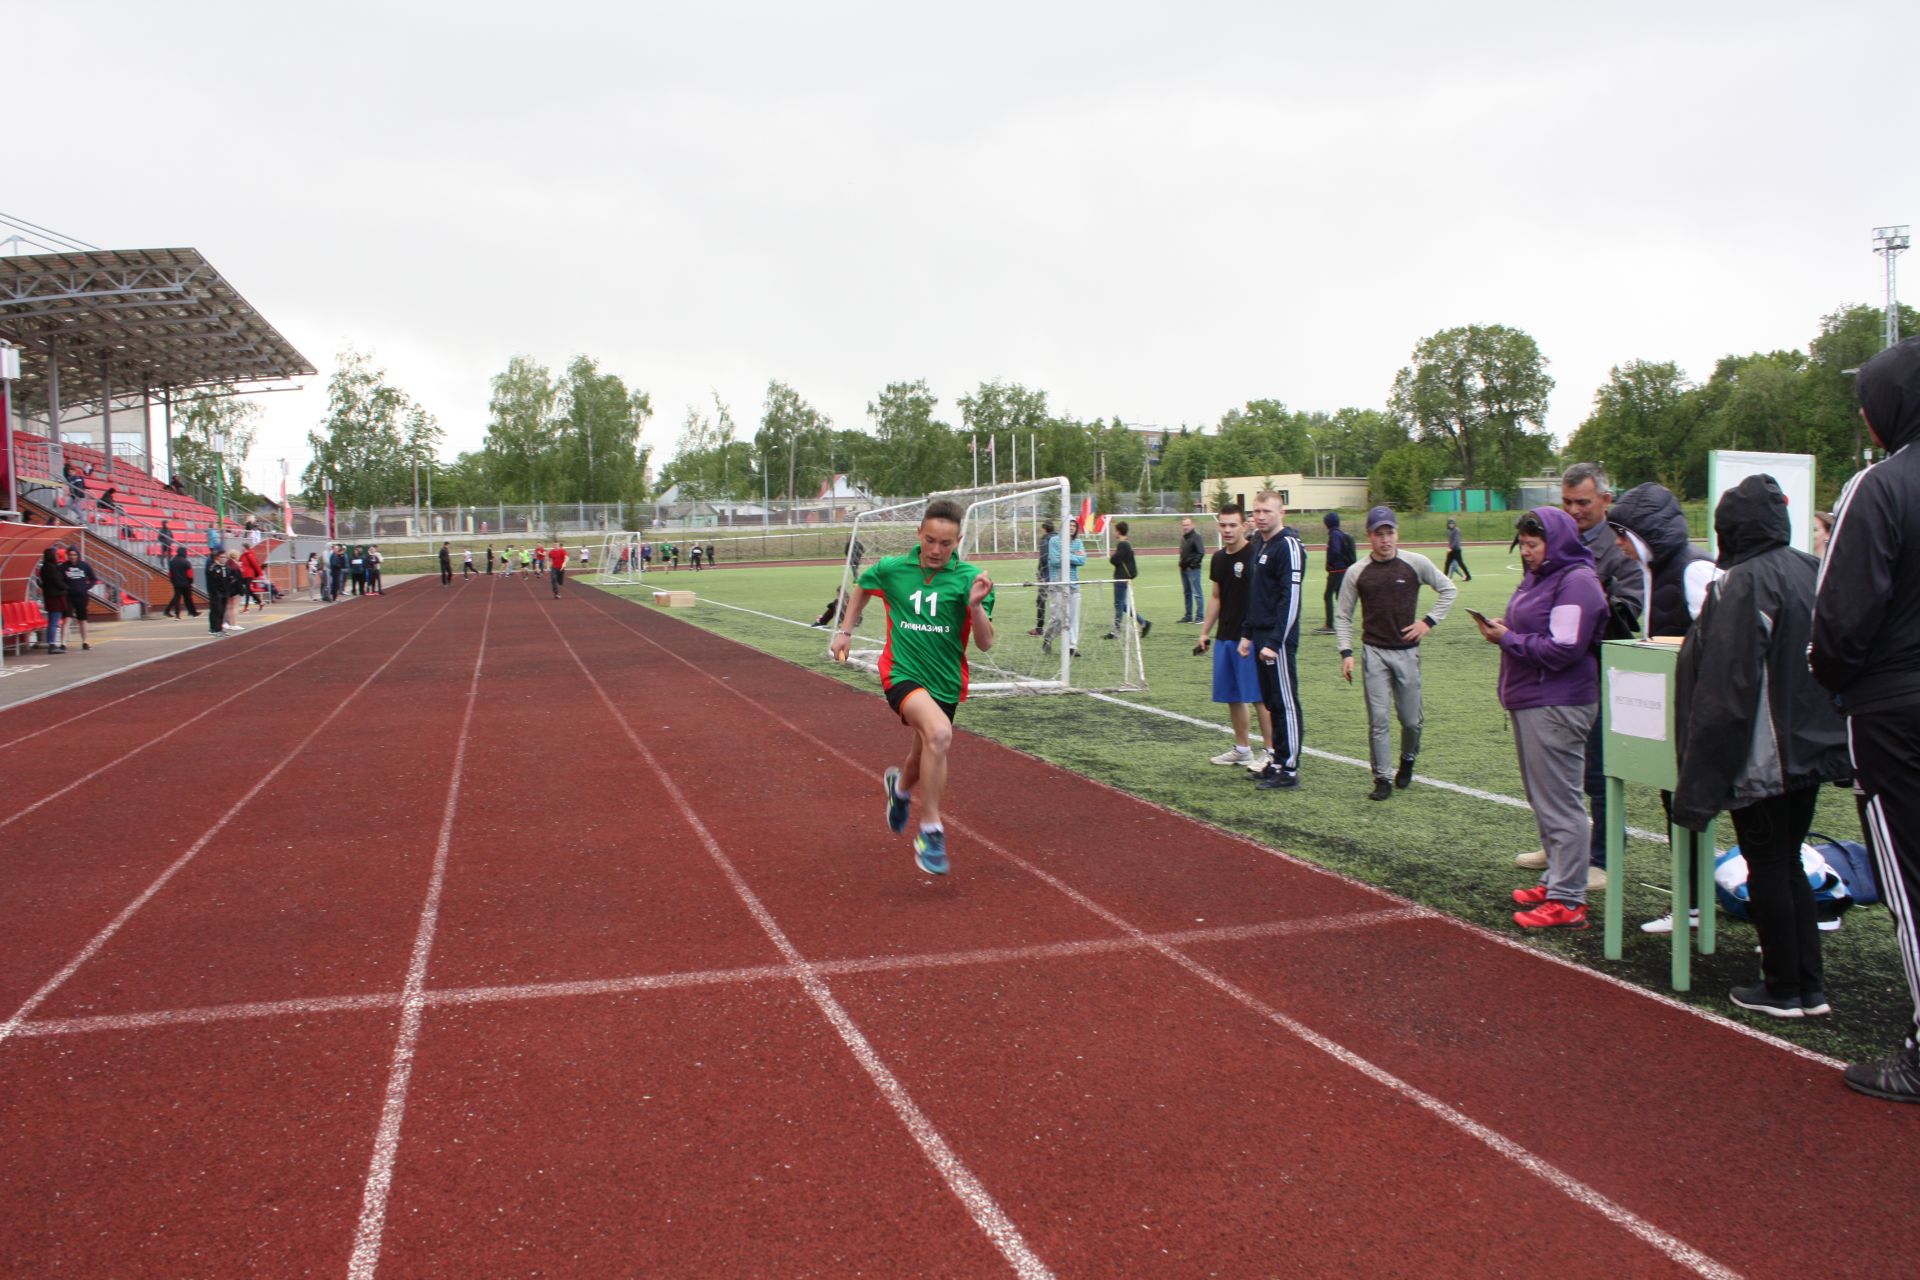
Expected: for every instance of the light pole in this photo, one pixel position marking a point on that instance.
(1890, 243)
(326, 487)
(1316, 455)
(218, 443)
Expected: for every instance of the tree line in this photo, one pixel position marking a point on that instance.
(1471, 403)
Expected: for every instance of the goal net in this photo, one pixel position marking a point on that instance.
(619, 560)
(1049, 637)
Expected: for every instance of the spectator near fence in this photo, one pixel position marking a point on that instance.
(1193, 553)
(1125, 569)
(1272, 634)
(53, 596)
(80, 583)
(1866, 651)
(446, 564)
(223, 584)
(1340, 557)
(1236, 681)
(336, 570)
(180, 578)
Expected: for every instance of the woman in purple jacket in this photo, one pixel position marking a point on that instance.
(1550, 685)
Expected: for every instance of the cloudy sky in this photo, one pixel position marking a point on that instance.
(1155, 211)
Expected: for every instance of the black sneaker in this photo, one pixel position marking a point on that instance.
(1111, 635)
(1144, 628)
(1403, 776)
(1382, 790)
(1897, 1079)
(1814, 1004)
(1261, 775)
(1757, 998)
(1278, 782)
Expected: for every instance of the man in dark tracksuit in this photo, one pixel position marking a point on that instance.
(223, 583)
(1272, 634)
(336, 571)
(1866, 650)
(180, 576)
(1040, 575)
(1341, 555)
(1193, 554)
(446, 564)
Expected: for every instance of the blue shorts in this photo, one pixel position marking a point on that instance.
(1235, 679)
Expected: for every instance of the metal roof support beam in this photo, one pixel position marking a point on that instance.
(106, 408)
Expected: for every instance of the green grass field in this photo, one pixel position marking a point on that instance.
(1446, 850)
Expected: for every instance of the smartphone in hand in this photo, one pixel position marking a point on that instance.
(1480, 617)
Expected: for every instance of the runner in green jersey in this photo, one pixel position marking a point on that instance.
(935, 603)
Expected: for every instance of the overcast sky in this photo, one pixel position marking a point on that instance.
(1156, 211)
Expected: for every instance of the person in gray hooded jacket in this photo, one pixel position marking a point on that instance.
(1757, 737)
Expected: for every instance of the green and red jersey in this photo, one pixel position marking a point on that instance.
(928, 622)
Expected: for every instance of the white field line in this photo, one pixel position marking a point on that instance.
(450, 997)
(1674, 1248)
(1479, 931)
(972, 1194)
(81, 781)
(101, 938)
(1491, 797)
(1669, 1245)
(228, 652)
(386, 1142)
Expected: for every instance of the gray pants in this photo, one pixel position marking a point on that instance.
(1391, 676)
(1552, 745)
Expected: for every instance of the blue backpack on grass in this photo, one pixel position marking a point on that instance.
(1840, 873)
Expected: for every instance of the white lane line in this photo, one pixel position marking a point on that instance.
(1440, 784)
(972, 1194)
(1491, 797)
(1674, 1248)
(451, 997)
(228, 653)
(1479, 931)
(1669, 1245)
(386, 1141)
(101, 938)
(141, 749)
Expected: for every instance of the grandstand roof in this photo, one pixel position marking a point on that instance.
(164, 317)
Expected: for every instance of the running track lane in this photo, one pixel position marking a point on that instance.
(1587, 1076)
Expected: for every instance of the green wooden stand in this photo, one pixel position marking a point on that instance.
(1636, 706)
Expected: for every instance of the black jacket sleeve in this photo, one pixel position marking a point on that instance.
(1717, 698)
(1857, 585)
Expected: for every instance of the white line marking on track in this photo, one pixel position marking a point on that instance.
(20, 813)
(101, 938)
(1492, 797)
(450, 997)
(1677, 1250)
(972, 1194)
(228, 653)
(386, 1142)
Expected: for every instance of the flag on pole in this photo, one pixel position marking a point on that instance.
(1090, 520)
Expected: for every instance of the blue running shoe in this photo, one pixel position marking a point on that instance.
(896, 807)
(930, 851)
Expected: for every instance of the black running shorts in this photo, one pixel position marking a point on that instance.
(897, 693)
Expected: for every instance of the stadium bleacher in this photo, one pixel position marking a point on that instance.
(141, 502)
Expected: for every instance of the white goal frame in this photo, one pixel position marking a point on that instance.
(611, 568)
(1001, 525)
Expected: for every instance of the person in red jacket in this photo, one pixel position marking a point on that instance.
(557, 559)
(255, 575)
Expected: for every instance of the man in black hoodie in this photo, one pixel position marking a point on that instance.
(1341, 554)
(180, 576)
(1757, 737)
(1866, 650)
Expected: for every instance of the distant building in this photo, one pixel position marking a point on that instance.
(1299, 492)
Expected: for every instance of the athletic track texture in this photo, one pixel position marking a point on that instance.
(465, 932)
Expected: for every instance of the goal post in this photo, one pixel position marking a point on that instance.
(619, 560)
(1049, 637)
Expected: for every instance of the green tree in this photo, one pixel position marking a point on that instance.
(1263, 437)
(1002, 417)
(914, 452)
(793, 437)
(1403, 476)
(520, 429)
(200, 415)
(1355, 439)
(1646, 425)
(372, 436)
(708, 462)
(597, 452)
(1481, 390)
(1847, 339)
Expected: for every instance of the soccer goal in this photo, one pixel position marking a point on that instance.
(1048, 637)
(619, 560)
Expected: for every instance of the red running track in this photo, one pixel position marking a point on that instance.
(469, 932)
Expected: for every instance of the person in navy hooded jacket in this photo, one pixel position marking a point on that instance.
(1550, 686)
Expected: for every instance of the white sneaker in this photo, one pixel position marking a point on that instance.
(1830, 926)
(1596, 877)
(1665, 923)
(231, 627)
(1259, 761)
(1535, 861)
(1235, 756)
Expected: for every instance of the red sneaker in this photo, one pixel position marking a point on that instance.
(1552, 915)
(1531, 897)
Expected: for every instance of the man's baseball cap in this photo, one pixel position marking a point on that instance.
(1379, 516)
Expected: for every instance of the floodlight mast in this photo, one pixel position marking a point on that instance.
(1890, 243)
